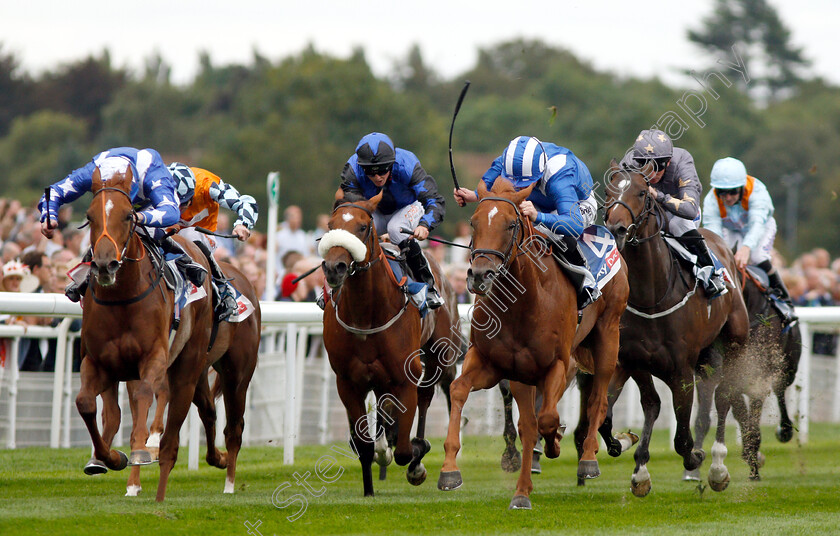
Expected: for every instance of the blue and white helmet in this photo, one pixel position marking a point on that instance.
(184, 181)
(728, 173)
(524, 161)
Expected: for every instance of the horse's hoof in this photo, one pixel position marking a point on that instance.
(154, 452)
(640, 489)
(626, 440)
(581, 481)
(384, 458)
(420, 447)
(588, 469)
(139, 457)
(536, 467)
(719, 485)
(760, 459)
(95, 467)
(755, 478)
(695, 459)
(450, 480)
(511, 460)
(693, 475)
(520, 502)
(553, 450)
(123, 461)
(416, 477)
(784, 433)
(132, 491)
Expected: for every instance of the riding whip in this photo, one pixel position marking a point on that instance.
(452, 128)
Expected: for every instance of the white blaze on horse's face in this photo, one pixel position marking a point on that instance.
(346, 216)
(109, 206)
(491, 214)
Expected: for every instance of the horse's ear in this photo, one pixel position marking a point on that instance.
(95, 180)
(374, 201)
(648, 171)
(482, 189)
(523, 194)
(613, 164)
(339, 194)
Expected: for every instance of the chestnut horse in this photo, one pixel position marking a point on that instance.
(125, 333)
(669, 327)
(374, 336)
(530, 340)
(234, 364)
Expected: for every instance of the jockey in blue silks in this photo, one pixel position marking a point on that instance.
(410, 199)
(561, 204)
(152, 193)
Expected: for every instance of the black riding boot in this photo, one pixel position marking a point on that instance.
(73, 291)
(712, 283)
(587, 291)
(420, 269)
(225, 302)
(778, 289)
(194, 271)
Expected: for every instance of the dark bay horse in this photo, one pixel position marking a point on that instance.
(376, 340)
(669, 327)
(125, 333)
(524, 328)
(768, 365)
(233, 355)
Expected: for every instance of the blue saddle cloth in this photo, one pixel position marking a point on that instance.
(602, 256)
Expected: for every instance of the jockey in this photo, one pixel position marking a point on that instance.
(152, 193)
(411, 199)
(562, 204)
(676, 187)
(740, 209)
(201, 193)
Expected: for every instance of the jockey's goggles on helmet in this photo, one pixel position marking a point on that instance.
(378, 169)
(658, 163)
(729, 191)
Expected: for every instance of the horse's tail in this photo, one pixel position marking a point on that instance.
(216, 390)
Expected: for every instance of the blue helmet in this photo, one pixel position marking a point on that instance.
(184, 181)
(728, 173)
(375, 149)
(524, 161)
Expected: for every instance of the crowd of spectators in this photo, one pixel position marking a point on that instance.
(33, 263)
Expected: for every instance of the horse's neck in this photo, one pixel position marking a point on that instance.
(649, 263)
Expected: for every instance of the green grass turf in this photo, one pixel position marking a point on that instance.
(44, 491)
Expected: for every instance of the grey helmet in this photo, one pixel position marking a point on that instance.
(652, 145)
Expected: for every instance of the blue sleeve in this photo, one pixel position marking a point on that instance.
(159, 188)
(426, 190)
(561, 190)
(72, 187)
(493, 173)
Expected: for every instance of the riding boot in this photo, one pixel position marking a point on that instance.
(74, 291)
(194, 271)
(712, 282)
(420, 270)
(225, 302)
(784, 304)
(578, 273)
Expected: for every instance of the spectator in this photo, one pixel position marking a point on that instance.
(463, 236)
(290, 236)
(321, 226)
(11, 251)
(457, 275)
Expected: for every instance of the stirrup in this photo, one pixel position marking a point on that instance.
(75, 292)
(715, 287)
(227, 306)
(433, 299)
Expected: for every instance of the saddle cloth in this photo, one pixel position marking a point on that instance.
(689, 257)
(602, 256)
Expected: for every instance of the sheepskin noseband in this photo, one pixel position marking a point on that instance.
(344, 239)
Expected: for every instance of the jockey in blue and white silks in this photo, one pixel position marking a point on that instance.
(410, 199)
(561, 205)
(152, 194)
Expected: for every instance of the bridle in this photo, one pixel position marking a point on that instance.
(637, 220)
(105, 234)
(365, 266)
(526, 230)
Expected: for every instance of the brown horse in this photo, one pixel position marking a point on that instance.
(374, 336)
(125, 333)
(529, 339)
(669, 328)
(234, 365)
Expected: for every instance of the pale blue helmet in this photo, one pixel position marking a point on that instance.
(728, 173)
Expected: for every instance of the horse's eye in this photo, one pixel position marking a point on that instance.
(128, 216)
(364, 228)
(643, 193)
(512, 225)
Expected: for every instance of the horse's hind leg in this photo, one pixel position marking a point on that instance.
(682, 391)
(718, 473)
(749, 419)
(235, 380)
(640, 482)
(156, 429)
(151, 377)
(95, 382)
(354, 403)
(708, 375)
(416, 472)
(206, 406)
(548, 420)
(511, 459)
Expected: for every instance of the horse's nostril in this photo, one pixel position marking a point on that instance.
(113, 266)
(341, 267)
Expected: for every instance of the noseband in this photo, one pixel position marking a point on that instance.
(354, 266)
(476, 253)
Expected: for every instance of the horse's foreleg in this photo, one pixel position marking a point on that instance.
(552, 387)
(354, 403)
(524, 395)
(156, 429)
(475, 375)
(640, 482)
(511, 459)
(95, 382)
(625, 440)
(718, 473)
(606, 355)
(682, 391)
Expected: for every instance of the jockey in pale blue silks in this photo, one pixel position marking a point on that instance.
(561, 204)
(410, 200)
(152, 193)
(739, 209)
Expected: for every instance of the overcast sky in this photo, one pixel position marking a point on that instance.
(627, 37)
